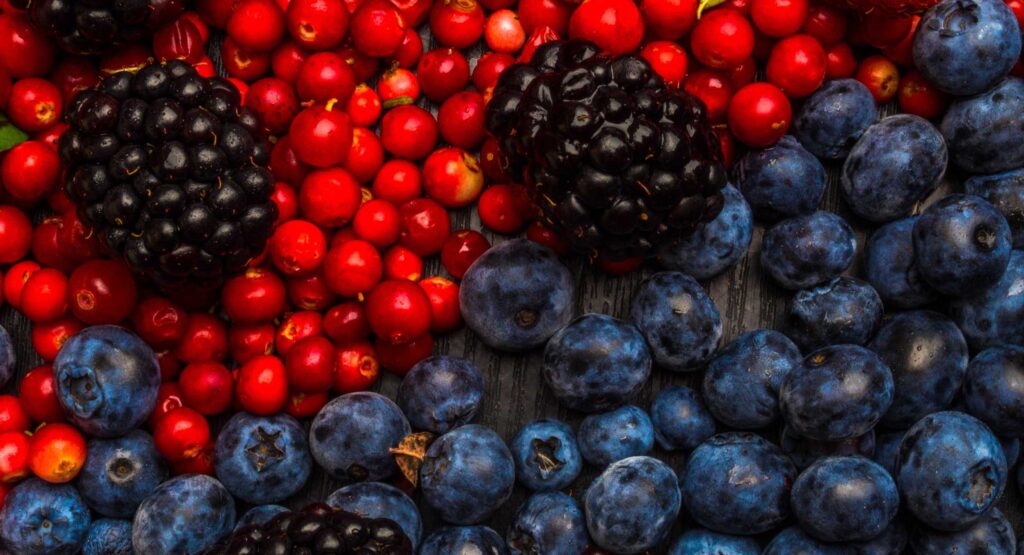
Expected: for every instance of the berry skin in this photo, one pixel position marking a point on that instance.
(29, 171)
(102, 292)
(398, 181)
(275, 102)
(366, 155)
(881, 77)
(346, 323)
(34, 105)
(352, 268)
(461, 249)
(377, 29)
(205, 338)
(262, 385)
(797, 65)
(554, 14)
(377, 222)
(759, 114)
(997, 111)
(619, 525)
(317, 24)
(460, 120)
(503, 32)
(781, 181)
(722, 39)
(181, 434)
(363, 106)
(38, 395)
(398, 310)
(49, 337)
(608, 437)
(467, 474)
(831, 121)
(15, 238)
(356, 368)
(843, 311)
(443, 295)
(186, 514)
(452, 177)
(489, 67)
(499, 209)
(14, 456)
(247, 341)
(321, 135)
(668, 19)
(310, 365)
(256, 296)
(827, 493)
(425, 225)
(295, 327)
(56, 453)
(13, 417)
(668, 59)
(398, 86)
(206, 387)
(616, 26)
(825, 23)
(679, 340)
(410, 51)
(808, 250)
(159, 322)
(256, 25)
(919, 97)
(329, 197)
(351, 437)
(778, 18)
(408, 132)
(402, 263)
(457, 23)
(298, 248)
(262, 460)
(44, 297)
(25, 51)
(713, 89)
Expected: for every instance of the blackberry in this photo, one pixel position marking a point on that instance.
(617, 162)
(318, 529)
(94, 26)
(170, 170)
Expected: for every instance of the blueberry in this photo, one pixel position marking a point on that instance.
(961, 245)
(992, 534)
(352, 435)
(186, 514)
(984, 132)
(808, 250)
(994, 389)
(441, 393)
(7, 358)
(681, 421)
(890, 267)
(805, 452)
(615, 435)
(897, 163)
(705, 542)
(950, 470)
(996, 316)
(119, 473)
(464, 540)
(928, 358)
(717, 245)
(964, 47)
(632, 505)
(377, 500)
(262, 459)
(39, 518)
(546, 455)
(834, 117)
(794, 541)
(1005, 191)
(837, 392)
(738, 483)
(844, 310)
(106, 379)
(467, 474)
(107, 536)
(517, 295)
(1011, 450)
(678, 319)
(887, 447)
(741, 384)
(781, 181)
(548, 523)
(596, 363)
(259, 515)
(841, 499)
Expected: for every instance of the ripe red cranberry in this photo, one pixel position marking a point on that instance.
(722, 39)
(364, 106)
(398, 181)
(488, 69)
(56, 453)
(38, 395)
(295, 327)
(398, 86)
(168, 398)
(378, 222)
(256, 25)
(346, 323)
(493, 161)
(356, 367)
(881, 77)
(614, 25)
(285, 165)
(160, 322)
(286, 61)
(297, 247)
(317, 24)
(668, 59)
(275, 101)
(13, 417)
(377, 28)
(14, 281)
(15, 234)
(200, 463)
(310, 292)
(128, 58)
(759, 114)
(205, 338)
(555, 14)
(74, 74)
(840, 62)
(305, 405)
(258, 295)
(402, 263)
(49, 137)
(310, 364)
(179, 40)
(363, 66)
(457, 23)
(169, 364)
(903, 51)
(243, 64)
(399, 358)
(503, 32)
(778, 18)
(538, 233)
(44, 297)
(46, 247)
(443, 295)
(669, 19)
(287, 201)
(452, 177)
(321, 135)
(352, 268)
(102, 292)
(713, 89)
(365, 156)
(825, 23)
(49, 337)
(410, 50)
(408, 132)
(461, 249)
(398, 310)
(14, 456)
(324, 77)
(460, 120)
(77, 241)
(425, 224)
(797, 65)
(414, 12)
(262, 386)
(181, 434)
(206, 387)
(500, 210)
(442, 73)
(919, 97)
(330, 197)
(25, 50)
(35, 104)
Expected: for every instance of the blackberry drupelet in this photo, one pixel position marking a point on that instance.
(170, 170)
(617, 163)
(94, 26)
(318, 529)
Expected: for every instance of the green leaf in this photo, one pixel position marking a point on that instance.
(10, 136)
(706, 5)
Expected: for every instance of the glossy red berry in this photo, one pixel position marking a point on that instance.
(797, 65)
(200, 463)
(330, 197)
(457, 23)
(286, 200)
(555, 14)
(825, 23)
(778, 18)
(160, 322)
(297, 247)
(365, 156)
(377, 28)
(15, 235)
(443, 295)
(181, 434)
(840, 62)
(321, 135)
(401, 357)
(668, 59)
(398, 311)
(275, 101)
(258, 295)
(346, 323)
(425, 225)
(45, 296)
(29, 171)
(461, 120)
(56, 453)
(378, 222)
(325, 76)
(102, 292)
(206, 387)
(614, 25)
(256, 25)
(503, 32)
(205, 338)
(759, 115)
(46, 245)
(352, 268)
(881, 29)
(168, 398)
(262, 386)
(402, 263)
(452, 177)
(408, 132)
(398, 86)
(442, 73)
(669, 19)
(38, 395)
(919, 97)
(305, 405)
(309, 292)
(13, 417)
(286, 61)
(500, 210)
(180, 39)
(317, 24)
(540, 234)
(722, 39)
(397, 182)
(25, 50)
(310, 365)
(356, 368)
(48, 337)
(169, 364)
(243, 64)
(881, 77)
(295, 327)
(409, 51)
(364, 106)
(14, 449)
(247, 341)
(488, 68)
(713, 89)
(461, 249)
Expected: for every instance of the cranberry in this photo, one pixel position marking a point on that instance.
(346, 323)
(285, 165)
(15, 234)
(903, 51)
(35, 104)
(206, 387)
(668, 59)
(309, 292)
(56, 453)
(364, 106)
(363, 66)
(74, 74)
(443, 295)
(759, 114)
(402, 263)
(248, 341)
(555, 14)
(919, 97)
(461, 249)
(410, 50)
(539, 36)
(503, 32)
(408, 132)
(102, 292)
(880, 30)
(825, 23)
(881, 77)
(398, 181)
(44, 297)
(199, 463)
(310, 365)
(262, 386)
(128, 58)
(493, 161)
(499, 209)
(37, 393)
(488, 69)
(779, 18)
(169, 364)
(77, 242)
(442, 73)
(352, 268)
(453, 177)
(241, 63)
(14, 448)
(286, 61)
(50, 137)
(205, 338)
(256, 25)
(179, 40)
(457, 23)
(324, 77)
(365, 156)
(398, 86)
(356, 368)
(13, 417)
(797, 65)
(275, 101)
(669, 19)
(614, 25)
(160, 322)
(46, 246)
(377, 28)
(286, 200)
(542, 235)
(461, 120)
(305, 405)
(257, 295)
(840, 62)
(425, 225)
(398, 311)
(25, 50)
(317, 24)
(297, 247)
(168, 398)
(330, 197)
(722, 39)
(49, 337)
(399, 358)
(712, 89)
(321, 135)
(181, 434)
(377, 222)
(198, 23)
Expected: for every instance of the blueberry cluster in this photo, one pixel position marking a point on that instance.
(169, 169)
(618, 163)
(92, 27)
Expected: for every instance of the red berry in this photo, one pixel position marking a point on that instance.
(452, 177)
(364, 107)
(778, 18)
(310, 365)
(499, 209)
(461, 120)
(713, 89)
(457, 23)
(49, 337)
(181, 434)
(5, 86)
(14, 449)
(398, 311)
(297, 248)
(668, 59)
(309, 292)
(365, 156)
(243, 64)
(425, 225)
(377, 28)
(247, 341)
(488, 68)
(398, 86)
(903, 51)
(305, 405)
(398, 181)
(461, 249)
(180, 39)
(35, 104)
(537, 233)
(13, 417)
(321, 136)
(402, 263)
(410, 50)
(414, 12)
(881, 77)
(503, 32)
(493, 161)
(56, 453)
(443, 295)
(45, 296)
(256, 25)
(275, 102)
(616, 26)
(286, 200)
(317, 24)
(669, 19)
(408, 132)
(14, 281)
(377, 222)
(160, 322)
(206, 387)
(286, 61)
(330, 197)
(352, 268)
(169, 364)
(205, 338)
(199, 463)
(880, 29)
(325, 76)
(295, 327)
(442, 73)
(759, 114)
(346, 323)
(286, 166)
(356, 368)
(168, 398)
(257, 295)
(262, 387)
(555, 14)
(102, 292)
(77, 241)
(15, 234)
(29, 171)
(840, 62)
(919, 97)
(38, 395)
(25, 50)
(46, 244)
(825, 23)
(722, 39)
(400, 358)
(363, 66)
(797, 65)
